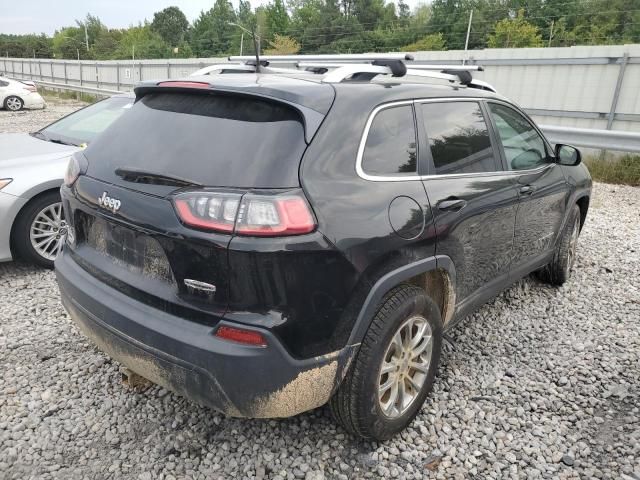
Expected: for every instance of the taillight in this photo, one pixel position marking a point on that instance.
(241, 335)
(208, 210)
(31, 88)
(251, 214)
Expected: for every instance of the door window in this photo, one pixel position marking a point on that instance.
(523, 146)
(391, 143)
(458, 138)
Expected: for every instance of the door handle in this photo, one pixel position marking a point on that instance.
(527, 190)
(452, 205)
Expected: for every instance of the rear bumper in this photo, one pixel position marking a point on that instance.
(184, 356)
(33, 100)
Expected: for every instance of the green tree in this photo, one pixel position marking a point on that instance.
(431, 42)
(142, 42)
(369, 13)
(277, 18)
(171, 24)
(212, 33)
(107, 43)
(404, 12)
(282, 45)
(515, 33)
(69, 43)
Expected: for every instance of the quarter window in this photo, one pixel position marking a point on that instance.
(391, 144)
(523, 147)
(458, 138)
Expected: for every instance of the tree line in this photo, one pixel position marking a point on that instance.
(340, 26)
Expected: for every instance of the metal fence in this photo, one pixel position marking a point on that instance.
(583, 95)
(585, 87)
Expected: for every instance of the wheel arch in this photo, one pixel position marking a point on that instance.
(435, 275)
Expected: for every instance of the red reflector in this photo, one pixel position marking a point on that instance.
(185, 84)
(240, 335)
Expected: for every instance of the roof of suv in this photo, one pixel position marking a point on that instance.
(309, 91)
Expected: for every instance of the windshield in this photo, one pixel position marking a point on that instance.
(210, 139)
(86, 124)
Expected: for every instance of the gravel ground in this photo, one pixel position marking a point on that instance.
(540, 383)
(31, 120)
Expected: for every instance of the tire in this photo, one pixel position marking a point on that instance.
(357, 405)
(26, 231)
(13, 103)
(558, 271)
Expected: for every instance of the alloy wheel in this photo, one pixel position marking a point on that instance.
(405, 366)
(14, 104)
(48, 231)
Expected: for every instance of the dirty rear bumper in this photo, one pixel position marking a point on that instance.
(185, 357)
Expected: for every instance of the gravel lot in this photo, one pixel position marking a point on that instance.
(541, 383)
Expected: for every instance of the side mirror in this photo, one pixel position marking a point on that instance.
(568, 155)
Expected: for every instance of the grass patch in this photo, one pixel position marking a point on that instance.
(620, 169)
(52, 94)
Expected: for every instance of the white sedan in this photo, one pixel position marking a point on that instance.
(18, 94)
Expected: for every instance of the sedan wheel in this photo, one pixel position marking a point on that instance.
(40, 230)
(48, 231)
(13, 103)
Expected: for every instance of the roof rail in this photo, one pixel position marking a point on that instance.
(311, 64)
(359, 57)
(358, 67)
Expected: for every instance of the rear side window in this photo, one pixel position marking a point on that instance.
(458, 138)
(211, 139)
(391, 144)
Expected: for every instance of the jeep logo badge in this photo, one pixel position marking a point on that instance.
(110, 203)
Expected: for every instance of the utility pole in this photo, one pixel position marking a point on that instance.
(86, 35)
(241, 42)
(466, 42)
(551, 33)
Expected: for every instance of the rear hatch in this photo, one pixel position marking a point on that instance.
(170, 144)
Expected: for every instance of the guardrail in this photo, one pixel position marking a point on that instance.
(591, 138)
(614, 140)
(76, 88)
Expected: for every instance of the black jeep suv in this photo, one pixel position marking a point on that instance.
(266, 243)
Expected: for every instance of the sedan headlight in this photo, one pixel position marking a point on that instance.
(4, 182)
(76, 167)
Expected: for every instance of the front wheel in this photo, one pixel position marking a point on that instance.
(13, 103)
(40, 230)
(394, 370)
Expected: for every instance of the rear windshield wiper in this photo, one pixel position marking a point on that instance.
(139, 176)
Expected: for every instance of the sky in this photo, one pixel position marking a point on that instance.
(38, 16)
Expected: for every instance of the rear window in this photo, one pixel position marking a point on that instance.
(214, 140)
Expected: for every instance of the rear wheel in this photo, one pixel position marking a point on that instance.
(13, 103)
(394, 370)
(558, 271)
(40, 230)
